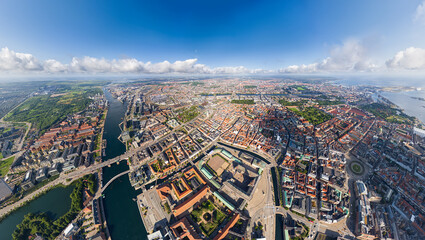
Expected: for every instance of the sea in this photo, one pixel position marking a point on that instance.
(412, 102)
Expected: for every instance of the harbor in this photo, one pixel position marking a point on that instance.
(121, 212)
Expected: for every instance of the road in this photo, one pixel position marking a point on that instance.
(333, 230)
(65, 179)
(261, 207)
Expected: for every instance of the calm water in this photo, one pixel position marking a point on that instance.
(56, 203)
(411, 106)
(381, 81)
(279, 227)
(122, 214)
(121, 211)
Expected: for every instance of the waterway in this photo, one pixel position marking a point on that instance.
(279, 227)
(122, 214)
(55, 203)
(407, 100)
(279, 218)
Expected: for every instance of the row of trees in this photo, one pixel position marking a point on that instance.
(244, 101)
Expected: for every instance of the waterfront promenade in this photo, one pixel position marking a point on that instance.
(65, 179)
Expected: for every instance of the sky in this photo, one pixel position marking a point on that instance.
(50, 37)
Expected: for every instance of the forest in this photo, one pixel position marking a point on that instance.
(244, 101)
(313, 115)
(295, 103)
(188, 114)
(388, 113)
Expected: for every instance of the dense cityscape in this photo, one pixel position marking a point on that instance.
(216, 120)
(239, 158)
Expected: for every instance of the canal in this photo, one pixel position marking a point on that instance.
(121, 211)
(55, 203)
(122, 214)
(279, 218)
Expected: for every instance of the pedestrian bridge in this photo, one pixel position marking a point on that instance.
(113, 179)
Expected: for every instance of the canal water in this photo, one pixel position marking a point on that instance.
(122, 214)
(279, 218)
(121, 211)
(279, 227)
(55, 203)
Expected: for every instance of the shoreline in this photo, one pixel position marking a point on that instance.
(43, 192)
(54, 183)
(417, 120)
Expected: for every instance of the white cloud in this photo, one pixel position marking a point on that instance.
(53, 66)
(410, 59)
(13, 62)
(420, 13)
(350, 57)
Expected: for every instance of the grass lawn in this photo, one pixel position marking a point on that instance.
(357, 168)
(5, 165)
(208, 226)
(1, 156)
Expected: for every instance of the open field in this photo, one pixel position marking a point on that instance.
(5, 165)
(46, 110)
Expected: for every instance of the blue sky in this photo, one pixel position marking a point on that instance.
(266, 34)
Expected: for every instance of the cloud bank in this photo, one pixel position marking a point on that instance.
(350, 57)
(14, 62)
(410, 59)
